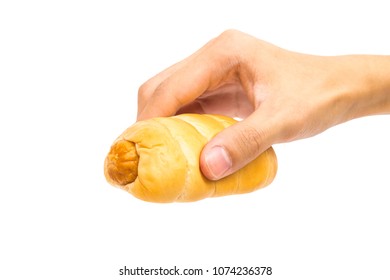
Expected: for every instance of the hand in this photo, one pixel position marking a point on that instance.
(280, 95)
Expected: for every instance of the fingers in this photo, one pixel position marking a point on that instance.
(147, 90)
(175, 91)
(183, 86)
(182, 83)
(237, 145)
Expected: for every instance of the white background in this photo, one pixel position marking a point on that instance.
(69, 75)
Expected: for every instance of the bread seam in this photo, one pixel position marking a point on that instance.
(181, 151)
(214, 184)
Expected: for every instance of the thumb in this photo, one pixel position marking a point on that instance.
(236, 146)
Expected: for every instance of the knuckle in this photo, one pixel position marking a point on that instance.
(143, 90)
(225, 49)
(228, 38)
(250, 140)
(229, 33)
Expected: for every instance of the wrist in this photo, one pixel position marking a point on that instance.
(368, 85)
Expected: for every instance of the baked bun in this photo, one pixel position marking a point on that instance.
(157, 160)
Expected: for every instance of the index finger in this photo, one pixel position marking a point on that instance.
(196, 75)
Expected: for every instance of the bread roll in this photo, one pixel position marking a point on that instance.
(157, 160)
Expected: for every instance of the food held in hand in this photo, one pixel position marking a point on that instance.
(157, 160)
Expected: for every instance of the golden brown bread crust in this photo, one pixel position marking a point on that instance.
(157, 160)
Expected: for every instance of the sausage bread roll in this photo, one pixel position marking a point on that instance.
(157, 160)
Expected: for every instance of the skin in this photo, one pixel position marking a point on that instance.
(280, 95)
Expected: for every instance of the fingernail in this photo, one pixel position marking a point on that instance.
(218, 162)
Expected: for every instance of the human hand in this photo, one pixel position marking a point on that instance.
(280, 95)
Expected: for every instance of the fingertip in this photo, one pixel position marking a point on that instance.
(216, 162)
(234, 147)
